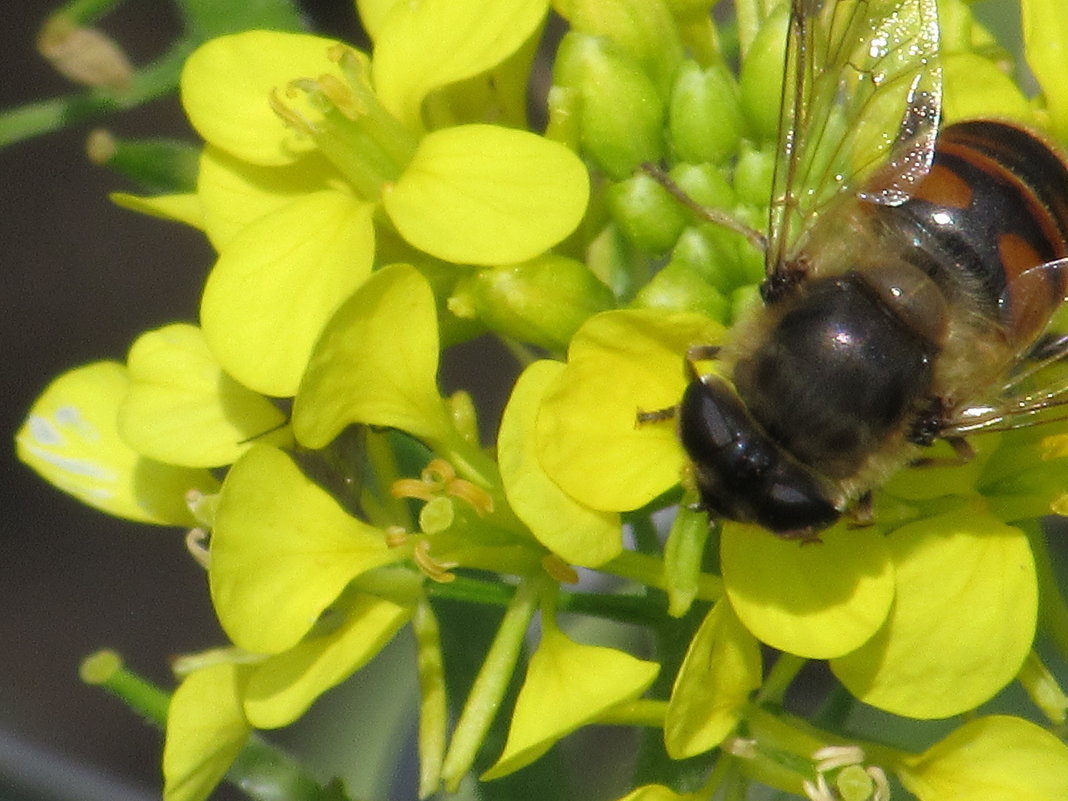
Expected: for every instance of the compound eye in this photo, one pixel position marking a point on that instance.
(797, 503)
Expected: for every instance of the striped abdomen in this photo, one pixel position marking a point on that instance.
(991, 212)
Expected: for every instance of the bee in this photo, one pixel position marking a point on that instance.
(910, 279)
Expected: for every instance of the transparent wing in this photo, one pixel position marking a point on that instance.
(861, 100)
(1036, 388)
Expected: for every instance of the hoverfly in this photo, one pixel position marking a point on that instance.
(909, 280)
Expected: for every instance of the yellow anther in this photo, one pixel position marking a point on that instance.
(559, 570)
(432, 568)
(290, 117)
(472, 494)
(396, 536)
(341, 97)
(411, 488)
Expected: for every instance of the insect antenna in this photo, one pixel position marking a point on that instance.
(715, 216)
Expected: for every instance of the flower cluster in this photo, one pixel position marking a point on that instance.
(371, 209)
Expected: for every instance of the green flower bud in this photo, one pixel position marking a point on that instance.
(719, 257)
(705, 184)
(541, 302)
(646, 213)
(704, 114)
(762, 77)
(621, 112)
(753, 175)
(644, 30)
(678, 287)
(158, 165)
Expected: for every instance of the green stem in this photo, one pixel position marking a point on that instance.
(261, 771)
(490, 685)
(622, 608)
(782, 674)
(649, 570)
(46, 116)
(105, 669)
(86, 11)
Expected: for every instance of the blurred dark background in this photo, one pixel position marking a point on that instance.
(81, 278)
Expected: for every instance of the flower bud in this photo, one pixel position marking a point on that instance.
(678, 287)
(541, 302)
(753, 175)
(646, 213)
(159, 165)
(704, 114)
(719, 257)
(87, 56)
(762, 77)
(621, 112)
(643, 30)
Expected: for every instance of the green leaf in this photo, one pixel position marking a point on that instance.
(277, 283)
(282, 551)
(815, 600)
(963, 619)
(183, 409)
(206, 730)
(376, 363)
(70, 439)
(482, 194)
(578, 534)
(281, 688)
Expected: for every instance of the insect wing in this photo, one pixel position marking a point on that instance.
(1036, 389)
(861, 92)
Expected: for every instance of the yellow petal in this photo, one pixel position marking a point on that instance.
(277, 283)
(580, 535)
(282, 687)
(482, 194)
(226, 86)
(234, 193)
(619, 364)
(422, 46)
(376, 363)
(71, 439)
(817, 600)
(206, 730)
(721, 669)
(567, 685)
(962, 622)
(183, 409)
(281, 552)
(995, 758)
(184, 208)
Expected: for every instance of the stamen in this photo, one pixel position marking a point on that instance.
(433, 569)
(341, 97)
(559, 570)
(837, 756)
(196, 542)
(289, 116)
